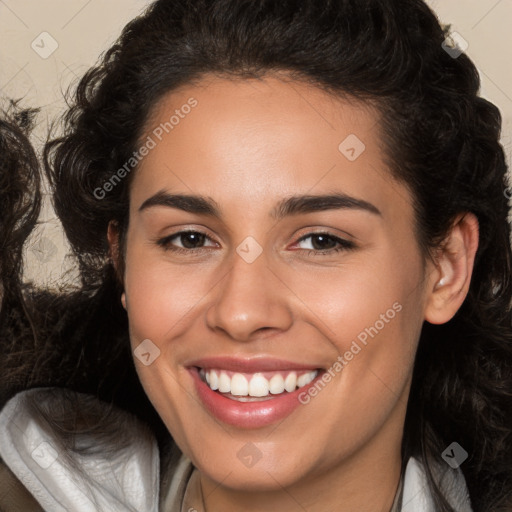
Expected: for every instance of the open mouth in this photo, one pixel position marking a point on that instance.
(251, 393)
(258, 386)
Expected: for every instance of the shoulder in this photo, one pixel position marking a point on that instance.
(68, 448)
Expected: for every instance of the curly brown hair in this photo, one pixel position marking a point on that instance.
(20, 198)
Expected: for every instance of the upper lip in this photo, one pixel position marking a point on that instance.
(249, 365)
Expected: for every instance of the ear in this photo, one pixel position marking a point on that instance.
(450, 280)
(113, 243)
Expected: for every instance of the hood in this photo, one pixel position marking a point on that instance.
(67, 471)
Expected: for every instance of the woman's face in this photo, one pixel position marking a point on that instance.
(275, 282)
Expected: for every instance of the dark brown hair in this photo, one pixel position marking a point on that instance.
(20, 201)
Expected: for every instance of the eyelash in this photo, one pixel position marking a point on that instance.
(344, 245)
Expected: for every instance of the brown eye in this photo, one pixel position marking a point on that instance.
(325, 243)
(189, 240)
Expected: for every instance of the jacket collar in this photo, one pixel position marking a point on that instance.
(92, 477)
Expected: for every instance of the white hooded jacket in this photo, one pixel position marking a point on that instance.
(101, 474)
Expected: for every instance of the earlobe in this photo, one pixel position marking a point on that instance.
(451, 278)
(123, 300)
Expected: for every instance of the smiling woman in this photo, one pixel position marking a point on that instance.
(329, 221)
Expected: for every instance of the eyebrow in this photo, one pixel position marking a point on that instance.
(293, 205)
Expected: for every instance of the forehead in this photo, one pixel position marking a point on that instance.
(274, 99)
(260, 138)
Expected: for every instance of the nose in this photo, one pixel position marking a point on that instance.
(250, 300)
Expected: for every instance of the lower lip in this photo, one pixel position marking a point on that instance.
(247, 415)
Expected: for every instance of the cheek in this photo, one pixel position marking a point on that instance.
(373, 296)
(159, 295)
(371, 314)
(372, 321)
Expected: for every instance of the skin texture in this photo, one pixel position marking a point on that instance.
(247, 145)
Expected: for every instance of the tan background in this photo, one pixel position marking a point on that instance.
(83, 29)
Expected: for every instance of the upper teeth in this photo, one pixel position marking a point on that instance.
(257, 384)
